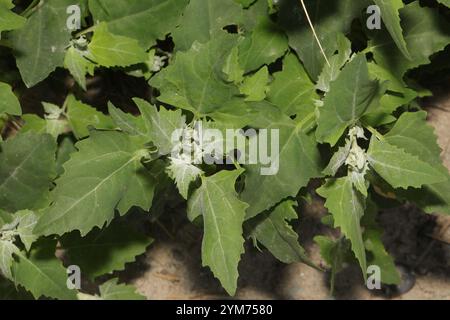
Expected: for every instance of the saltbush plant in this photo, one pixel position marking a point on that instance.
(331, 86)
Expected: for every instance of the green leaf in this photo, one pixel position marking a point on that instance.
(326, 250)
(35, 124)
(160, 124)
(401, 95)
(338, 159)
(8, 101)
(78, 65)
(434, 198)
(394, 83)
(140, 191)
(215, 14)
(65, 149)
(382, 259)
(53, 123)
(350, 96)
(127, 122)
(82, 116)
(330, 72)
(111, 290)
(445, 2)
(347, 206)
(26, 220)
(104, 251)
(412, 134)
(7, 249)
(424, 31)
(236, 113)
(335, 253)
(5, 218)
(373, 243)
(399, 168)
(390, 15)
(8, 291)
(274, 232)
(40, 45)
(255, 86)
(266, 43)
(27, 168)
(245, 3)
(298, 162)
(232, 68)
(183, 173)
(252, 15)
(111, 50)
(42, 273)
(223, 215)
(329, 20)
(127, 18)
(195, 80)
(8, 19)
(96, 179)
(292, 91)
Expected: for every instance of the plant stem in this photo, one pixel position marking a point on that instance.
(85, 31)
(29, 10)
(375, 132)
(302, 124)
(236, 164)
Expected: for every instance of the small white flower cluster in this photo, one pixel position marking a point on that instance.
(158, 63)
(189, 147)
(81, 43)
(357, 159)
(8, 231)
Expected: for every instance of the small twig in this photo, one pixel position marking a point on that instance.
(314, 32)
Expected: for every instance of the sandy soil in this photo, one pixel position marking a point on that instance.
(171, 268)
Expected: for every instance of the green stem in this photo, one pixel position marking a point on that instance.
(375, 132)
(85, 31)
(302, 124)
(236, 164)
(29, 10)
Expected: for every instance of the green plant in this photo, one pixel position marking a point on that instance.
(70, 179)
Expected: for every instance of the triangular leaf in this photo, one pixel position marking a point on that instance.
(349, 98)
(40, 46)
(401, 169)
(110, 50)
(347, 206)
(126, 18)
(223, 215)
(390, 15)
(42, 273)
(96, 179)
(274, 232)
